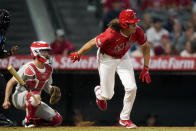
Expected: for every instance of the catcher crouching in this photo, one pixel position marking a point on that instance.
(37, 76)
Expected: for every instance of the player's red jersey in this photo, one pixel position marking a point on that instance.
(115, 44)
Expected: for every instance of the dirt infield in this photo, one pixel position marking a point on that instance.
(93, 128)
(98, 129)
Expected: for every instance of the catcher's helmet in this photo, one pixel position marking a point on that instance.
(35, 50)
(4, 19)
(127, 16)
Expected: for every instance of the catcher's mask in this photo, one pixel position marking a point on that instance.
(37, 47)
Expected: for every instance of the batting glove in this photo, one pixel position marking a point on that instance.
(144, 75)
(74, 56)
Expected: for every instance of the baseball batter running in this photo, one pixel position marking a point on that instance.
(112, 57)
(37, 75)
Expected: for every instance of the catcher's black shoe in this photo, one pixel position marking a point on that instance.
(26, 124)
(29, 125)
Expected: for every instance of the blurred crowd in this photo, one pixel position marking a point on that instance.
(61, 46)
(170, 25)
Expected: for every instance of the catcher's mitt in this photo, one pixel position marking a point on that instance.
(55, 95)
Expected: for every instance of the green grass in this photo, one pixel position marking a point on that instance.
(91, 128)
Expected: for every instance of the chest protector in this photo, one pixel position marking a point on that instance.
(40, 78)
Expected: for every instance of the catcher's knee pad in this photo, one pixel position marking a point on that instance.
(31, 105)
(33, 98)
(56, 120)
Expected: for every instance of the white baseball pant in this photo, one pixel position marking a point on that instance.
(107, 66)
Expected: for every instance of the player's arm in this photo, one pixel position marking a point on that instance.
(9, 87)
(76, 55)
(48, 85)
(87, 47)
(146, 53)
(54, 91)
(144, 75)
(8, 91)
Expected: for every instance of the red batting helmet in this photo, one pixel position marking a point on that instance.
(35, 50)
(127, 16)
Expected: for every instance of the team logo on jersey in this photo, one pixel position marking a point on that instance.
(122, 46)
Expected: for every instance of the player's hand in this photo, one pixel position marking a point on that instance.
(6, 104)
(14, 49)
(144, 75)
(74, 56)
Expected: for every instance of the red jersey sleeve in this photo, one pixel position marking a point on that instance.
(141, 36)
(103, 38)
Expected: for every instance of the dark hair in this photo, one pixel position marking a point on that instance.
(115, 24)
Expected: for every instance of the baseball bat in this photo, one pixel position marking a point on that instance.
(15, 74)
(21, 82)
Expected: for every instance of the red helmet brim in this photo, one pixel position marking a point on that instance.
(133, 21)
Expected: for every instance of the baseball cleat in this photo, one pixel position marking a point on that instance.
(127, 124)
(102, 104)
(29, 125)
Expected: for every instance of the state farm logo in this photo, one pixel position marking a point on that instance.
(165, 63)
(84, 63)
(55, 63)
(90, 63)
(16, 62)
(172, 63)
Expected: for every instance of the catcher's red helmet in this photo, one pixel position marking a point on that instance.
(127, 16)
(35, 50)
